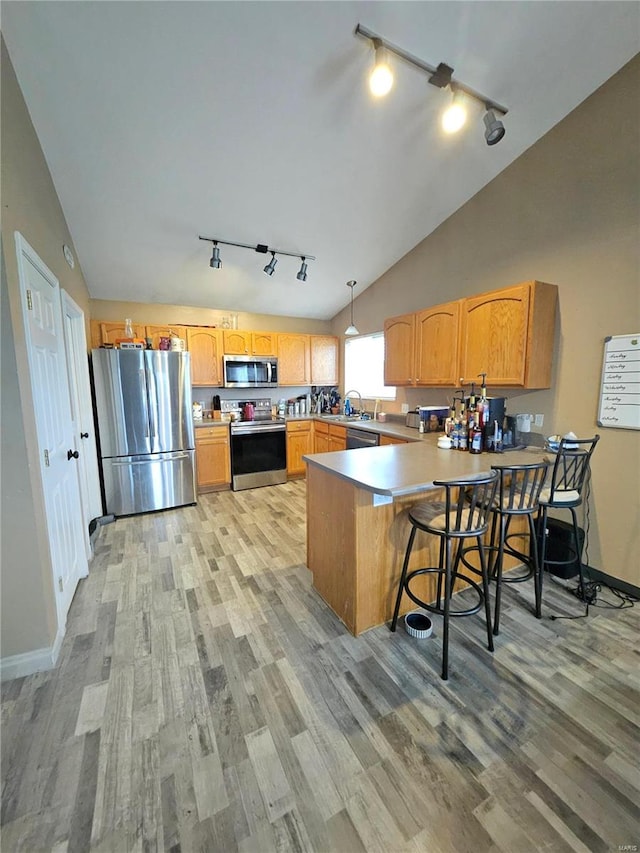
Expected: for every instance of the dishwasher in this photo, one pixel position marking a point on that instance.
(361, 438)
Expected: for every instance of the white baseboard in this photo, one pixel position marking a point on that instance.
(39, 660)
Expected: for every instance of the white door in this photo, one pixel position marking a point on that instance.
(82, 412)
(42, 316)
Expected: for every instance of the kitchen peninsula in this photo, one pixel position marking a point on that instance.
(356, 521)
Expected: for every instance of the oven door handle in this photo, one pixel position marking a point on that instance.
(252, 430)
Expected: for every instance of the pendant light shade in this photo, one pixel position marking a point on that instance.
(351, 329)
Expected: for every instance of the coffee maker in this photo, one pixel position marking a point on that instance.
(494, 424)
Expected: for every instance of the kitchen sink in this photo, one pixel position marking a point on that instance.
(350, 418)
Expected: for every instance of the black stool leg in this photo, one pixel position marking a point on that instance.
(578, 552)
(537, 567)
(441, 563)
(542, 534)
(445, 614)
(492, 540)
(403, 577)
(497, 570)
(485, 587)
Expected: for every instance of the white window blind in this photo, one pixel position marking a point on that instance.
(364, 367)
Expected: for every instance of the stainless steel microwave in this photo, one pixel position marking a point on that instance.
(248, 371)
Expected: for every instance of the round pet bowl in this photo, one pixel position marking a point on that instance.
(418, 625)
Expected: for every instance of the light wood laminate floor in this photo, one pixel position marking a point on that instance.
(206, 699)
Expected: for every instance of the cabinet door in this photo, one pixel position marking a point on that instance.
(293, 360)
(399, 350)
(494, 336)
(337, 437)
(157, 332)
(320, 437)
(263, 343)
(204, 345)
(324, 360)
(298, 443)
(437, 335)
(388, 439)
(236, 343)
(213, 458)
(109, 333)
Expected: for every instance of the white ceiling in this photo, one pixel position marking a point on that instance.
(252, 122)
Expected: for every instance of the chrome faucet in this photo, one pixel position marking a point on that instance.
(353, 391)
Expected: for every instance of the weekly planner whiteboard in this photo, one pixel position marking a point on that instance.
(620, 385)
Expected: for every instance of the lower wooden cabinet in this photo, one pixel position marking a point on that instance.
(320, 437)
(213, 458)
(337, 437)
(299, 443)
(388, 439)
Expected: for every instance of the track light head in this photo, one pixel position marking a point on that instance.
(494, 128)
(302, 272)
(215, 262)
(271, 266)
(455, 116)
(381, 78)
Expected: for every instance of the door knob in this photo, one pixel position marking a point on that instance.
(84, 435)
(72, 454)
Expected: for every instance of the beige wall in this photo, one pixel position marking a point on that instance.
(567, 212)
(29, 205)
(161, 315)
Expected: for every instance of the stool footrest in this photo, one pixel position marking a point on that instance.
(434, 608)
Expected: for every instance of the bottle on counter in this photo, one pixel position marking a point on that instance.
(463, 436)
(475, 439)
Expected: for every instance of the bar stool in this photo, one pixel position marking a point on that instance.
(519, 488)
(570, 471)
(463, 515)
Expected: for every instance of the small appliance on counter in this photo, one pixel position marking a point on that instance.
(432, 417)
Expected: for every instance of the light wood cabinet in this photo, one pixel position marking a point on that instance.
(249, 343)
(299, 442)
(399, 350)
(324, 359)
(388, 439)
(205, 344)
(320, 437)
(337, 437)
(157, 332)
(437, 332)
(508, 334)
(109, 333)
(293, 359)
(213, 458)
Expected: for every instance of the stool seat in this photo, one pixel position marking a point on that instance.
(463, 515)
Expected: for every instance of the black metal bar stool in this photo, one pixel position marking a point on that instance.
(570, 473)
(464, 514)
(519, 488)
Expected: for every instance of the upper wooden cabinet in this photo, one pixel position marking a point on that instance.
(293, 359)
(205, 346)
(157, 332)
(249, 343)
(399, 350)
(324, 360)
(436, 351)
(109, 333)
(508, 334)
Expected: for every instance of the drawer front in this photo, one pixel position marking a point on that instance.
(211, 432)
(321, 428)
(298, 426)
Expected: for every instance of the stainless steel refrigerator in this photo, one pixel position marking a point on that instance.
(145, 426)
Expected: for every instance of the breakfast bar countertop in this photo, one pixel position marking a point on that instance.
(405, 469)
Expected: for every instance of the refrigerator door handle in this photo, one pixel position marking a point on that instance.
(128, 463)
(152, 402)
(144, 395)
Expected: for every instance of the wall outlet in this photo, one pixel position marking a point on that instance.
(404, 408)
(539, 420)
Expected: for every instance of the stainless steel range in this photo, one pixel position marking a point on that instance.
(258, 444)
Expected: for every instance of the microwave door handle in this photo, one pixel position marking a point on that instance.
(268, 371)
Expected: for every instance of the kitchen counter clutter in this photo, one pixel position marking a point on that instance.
(356, 521)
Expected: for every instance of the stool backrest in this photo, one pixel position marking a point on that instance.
(468, 503)
(572, 465)
(519, 486)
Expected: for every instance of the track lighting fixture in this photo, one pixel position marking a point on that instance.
(442, 78)
(381, 78)
(271, 266)
(215, 262)
(351, 329)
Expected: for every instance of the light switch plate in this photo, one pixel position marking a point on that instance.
(404, 408)
(539, 420)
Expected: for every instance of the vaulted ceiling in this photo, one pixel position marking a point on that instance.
(252, 122)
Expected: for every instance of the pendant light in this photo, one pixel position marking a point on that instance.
(351, 329)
